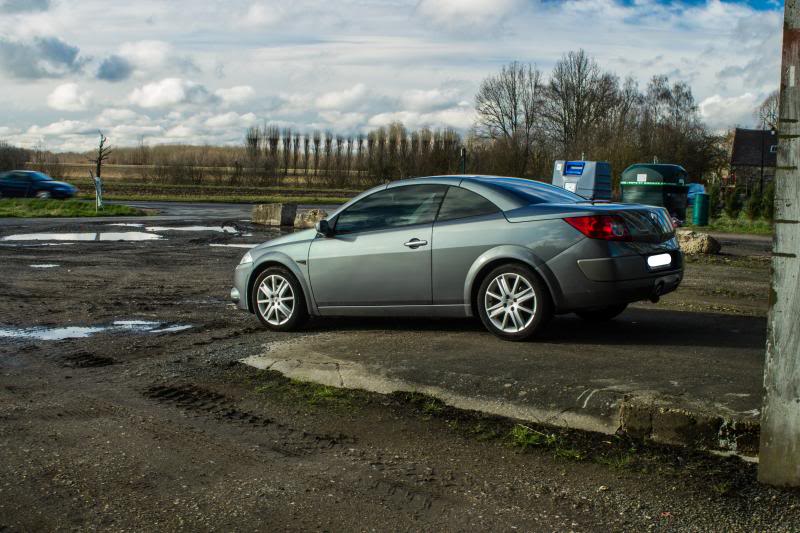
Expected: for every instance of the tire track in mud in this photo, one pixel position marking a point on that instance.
(85, 360)
(202, 402)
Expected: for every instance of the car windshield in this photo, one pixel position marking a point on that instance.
(536, 192)
(37, 176)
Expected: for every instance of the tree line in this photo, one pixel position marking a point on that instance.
(525, 120)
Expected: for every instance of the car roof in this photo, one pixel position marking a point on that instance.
(498, 189)
(504, 191)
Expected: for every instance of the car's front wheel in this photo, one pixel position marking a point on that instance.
(43, 195)
(513, 303)
(278, 300)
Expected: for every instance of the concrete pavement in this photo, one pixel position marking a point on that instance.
(678, 377)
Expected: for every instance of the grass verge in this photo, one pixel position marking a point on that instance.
(31, 207)
(742, 224)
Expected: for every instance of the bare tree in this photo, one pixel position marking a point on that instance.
(103, 153)
(11, 157)
(579, 97)
(767, 113)
(509, 108)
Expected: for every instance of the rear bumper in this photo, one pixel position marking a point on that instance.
(626, 268)
(611, 280)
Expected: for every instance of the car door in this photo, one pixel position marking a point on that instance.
(17, 185)
(467, 225)
(379, 253)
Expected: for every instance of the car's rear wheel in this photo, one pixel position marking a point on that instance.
(513, 302)
(601, 314)
(278, 300)
(43, 195)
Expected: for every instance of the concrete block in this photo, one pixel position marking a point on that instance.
(309, 218)
(274, 214)
(679, 426)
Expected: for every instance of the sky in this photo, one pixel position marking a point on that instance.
(194, 71)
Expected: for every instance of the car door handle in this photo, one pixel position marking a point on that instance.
(415, 243)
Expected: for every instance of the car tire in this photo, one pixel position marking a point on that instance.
(43, 195)
(517, 307)
(273, 310)
(602, 314)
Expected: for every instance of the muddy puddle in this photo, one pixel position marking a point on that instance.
(215, 229)
(82, 332)
(85, 236)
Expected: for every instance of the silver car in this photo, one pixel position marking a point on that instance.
(512, 251)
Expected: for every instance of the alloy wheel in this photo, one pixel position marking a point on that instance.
(275, 299)
(510, 302)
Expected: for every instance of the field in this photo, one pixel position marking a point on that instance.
(133, 188)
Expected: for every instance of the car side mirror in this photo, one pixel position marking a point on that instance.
(323, 227)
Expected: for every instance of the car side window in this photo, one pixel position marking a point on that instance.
(461, 203)
(392, 208)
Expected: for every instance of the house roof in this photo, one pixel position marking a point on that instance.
(754, 148)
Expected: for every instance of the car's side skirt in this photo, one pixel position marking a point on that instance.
(457, 310)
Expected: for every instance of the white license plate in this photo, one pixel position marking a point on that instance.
(660, 260)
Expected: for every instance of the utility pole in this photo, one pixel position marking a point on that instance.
(779, 454)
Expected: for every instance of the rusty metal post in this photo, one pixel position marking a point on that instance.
(779, 455)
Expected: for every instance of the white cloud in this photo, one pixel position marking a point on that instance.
(62, 127)
(460, 118)
(69, 97)
(180, 132)
(228, 120)
(467, 13)
(236, 95)
(426, 100)
(341, 100)
(261, 14)
(725, 111)
(147, 54)
(170, 92)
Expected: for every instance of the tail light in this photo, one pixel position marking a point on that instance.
(605, 227)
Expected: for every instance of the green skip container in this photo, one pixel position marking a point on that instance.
(700, 211)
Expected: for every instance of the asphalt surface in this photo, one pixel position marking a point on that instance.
(576, 374)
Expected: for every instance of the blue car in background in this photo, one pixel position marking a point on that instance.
(694, 190)
(30, 184)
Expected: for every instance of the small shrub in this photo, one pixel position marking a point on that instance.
(753, 206)
(714, 200)
(523, 437)
(732, 204)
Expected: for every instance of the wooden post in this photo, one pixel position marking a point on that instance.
(779, 455)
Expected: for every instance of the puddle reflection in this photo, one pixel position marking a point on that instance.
(81, 332)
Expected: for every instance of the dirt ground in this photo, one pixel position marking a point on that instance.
(147, 426)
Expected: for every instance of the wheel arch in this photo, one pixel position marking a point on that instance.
(495, 257)
(281, 260)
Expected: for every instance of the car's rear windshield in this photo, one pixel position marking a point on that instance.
(536, 192)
